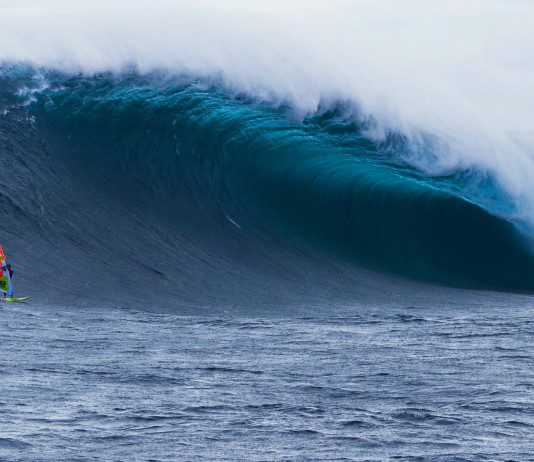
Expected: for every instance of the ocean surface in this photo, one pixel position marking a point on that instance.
(432, 383)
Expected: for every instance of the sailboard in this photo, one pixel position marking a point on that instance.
(6, 287)
(16, 299)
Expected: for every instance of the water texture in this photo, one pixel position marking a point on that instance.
(439, 383)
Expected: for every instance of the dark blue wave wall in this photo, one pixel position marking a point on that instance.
(171, 149)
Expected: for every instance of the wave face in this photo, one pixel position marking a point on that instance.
(216, 151)
(172, 183)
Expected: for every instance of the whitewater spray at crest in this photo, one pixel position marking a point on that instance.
(455, 79)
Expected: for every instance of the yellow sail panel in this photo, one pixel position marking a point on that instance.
(4, 284)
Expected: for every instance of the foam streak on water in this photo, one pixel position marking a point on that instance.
(122, 385)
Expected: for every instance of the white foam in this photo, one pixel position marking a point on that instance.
(462, 71)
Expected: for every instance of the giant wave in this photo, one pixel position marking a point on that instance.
(226, 167)
(163, 150)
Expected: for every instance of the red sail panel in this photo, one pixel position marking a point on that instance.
(2, 261)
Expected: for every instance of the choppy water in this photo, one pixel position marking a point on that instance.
(431, 383)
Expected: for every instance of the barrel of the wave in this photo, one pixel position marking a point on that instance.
(6, 287)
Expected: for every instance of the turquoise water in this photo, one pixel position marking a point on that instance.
(321, 180)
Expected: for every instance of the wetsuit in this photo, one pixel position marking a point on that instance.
(10, 271)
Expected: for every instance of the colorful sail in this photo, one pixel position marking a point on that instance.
(5, 280)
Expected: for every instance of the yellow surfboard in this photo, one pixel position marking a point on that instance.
(10, 299)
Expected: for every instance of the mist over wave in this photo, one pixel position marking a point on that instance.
(453, 77)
